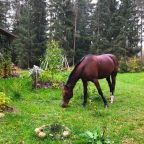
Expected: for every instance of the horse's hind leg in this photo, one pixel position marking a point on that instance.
(113, 77)
(85, 83)
(110, 87)
(100, 92)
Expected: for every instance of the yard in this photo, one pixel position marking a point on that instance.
(123, 120)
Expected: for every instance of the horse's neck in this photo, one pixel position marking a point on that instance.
(73, 80)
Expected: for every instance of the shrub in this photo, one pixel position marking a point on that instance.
(96, 137)
(46, 76)
(5, 66)
(133, 64)
(53, 57)
(55, 80)
(4, 101)
(123, 66)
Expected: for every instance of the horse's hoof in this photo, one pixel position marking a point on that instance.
(111, 99)
(64, 106)
(84, 105)
(106, 106)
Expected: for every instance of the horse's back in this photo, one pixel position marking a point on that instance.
(99, 66)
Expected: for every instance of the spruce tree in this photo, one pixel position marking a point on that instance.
(84, 32)
(61, 24)
(128, 35)
(104, 26)
(39, 28)
(23, 45)
(115, 28)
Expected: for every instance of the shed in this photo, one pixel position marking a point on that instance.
(9, 35)
(5, 40)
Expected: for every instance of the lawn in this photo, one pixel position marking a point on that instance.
(123, 120)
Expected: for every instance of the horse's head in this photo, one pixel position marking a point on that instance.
(67, 95)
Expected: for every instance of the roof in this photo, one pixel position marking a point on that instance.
(6, 33)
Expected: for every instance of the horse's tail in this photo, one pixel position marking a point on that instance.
(115, 60)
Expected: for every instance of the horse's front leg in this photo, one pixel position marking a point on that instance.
(85, 83)
(100, 92)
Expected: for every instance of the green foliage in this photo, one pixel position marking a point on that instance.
(133, 64)
(38, 21)
(5, 66)
(4, 101)
(56, 80)
(53, 57)
(61, 25)
(31, 39)
(84, 31)
(96, 137)
(123, 66)
(23, 45)
(49, 76)
(116, 28)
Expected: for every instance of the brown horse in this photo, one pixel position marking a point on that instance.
(91, 68)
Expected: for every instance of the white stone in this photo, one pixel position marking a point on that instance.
(2, 115)
(66, 133)
(41, 135)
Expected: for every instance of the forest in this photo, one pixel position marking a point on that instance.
(80, 27)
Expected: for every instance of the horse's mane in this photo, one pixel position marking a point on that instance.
(75, 68)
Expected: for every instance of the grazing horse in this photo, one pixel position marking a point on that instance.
(91, 68)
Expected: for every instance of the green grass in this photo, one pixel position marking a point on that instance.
(124, 120)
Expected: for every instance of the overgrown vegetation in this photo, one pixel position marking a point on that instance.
(96, 137)
(4, 101)
(5, 66)
(133, 64)
(53, 57)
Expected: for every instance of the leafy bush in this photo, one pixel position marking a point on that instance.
(5, 66)
(53, 57)
(96, 137)
(123, 66)
(55, 79)
(133, 64)
(4, 101)
(46, 76)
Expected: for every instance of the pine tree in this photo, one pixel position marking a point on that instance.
(5, 47)
(104, 26)
(140, 14)
(39, 28)
(115, 28)
(84, 31)
(61, 26)
(128, 28)
(24, 42)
